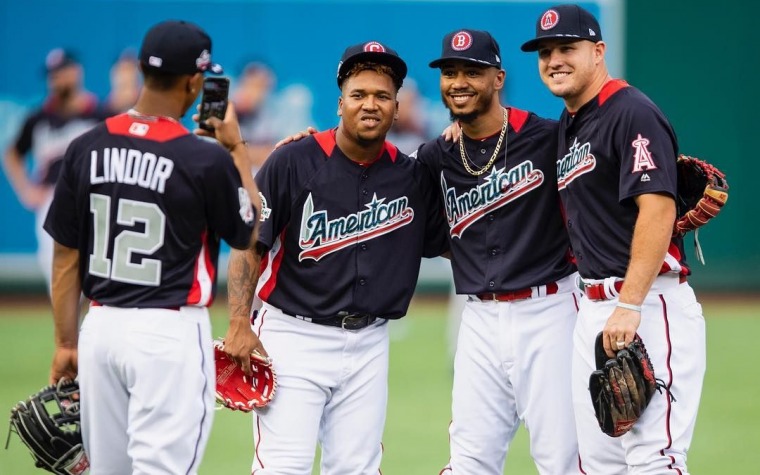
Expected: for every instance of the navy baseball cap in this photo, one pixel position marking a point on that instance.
(178, 47)
(473, 46)
(58, 59)
(565, 22)
(371, 52)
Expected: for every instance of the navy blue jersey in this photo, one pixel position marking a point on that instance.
(46, 134)
(343, 236)
(616, 147)
(505, 226)
(146, 202)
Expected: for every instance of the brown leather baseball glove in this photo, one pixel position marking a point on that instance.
(621, 387)
(702, 193)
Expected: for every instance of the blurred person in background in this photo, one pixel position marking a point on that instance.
(409, 130)
(67, 112)
(125, 83)
(266, 114)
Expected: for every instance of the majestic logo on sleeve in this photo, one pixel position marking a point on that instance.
(642, 157)
(321, 236)
(499, 188)
(577, 162)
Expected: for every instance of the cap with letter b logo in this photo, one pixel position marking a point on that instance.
(473, 46)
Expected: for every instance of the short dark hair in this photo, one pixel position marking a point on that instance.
(157, 79)
(378, 68)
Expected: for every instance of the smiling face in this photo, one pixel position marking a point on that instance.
(572, 70)
(469, 90)
(367, 106)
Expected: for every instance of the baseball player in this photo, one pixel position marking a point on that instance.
(617, 180)
(510, 256)
(346, 219)
(67, 112)
(137, 217)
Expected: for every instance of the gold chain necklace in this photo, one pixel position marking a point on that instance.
(466, 160)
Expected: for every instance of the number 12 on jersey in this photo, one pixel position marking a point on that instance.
(120, 266)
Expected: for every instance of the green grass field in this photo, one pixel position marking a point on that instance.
(416, 438)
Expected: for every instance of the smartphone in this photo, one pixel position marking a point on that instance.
(214, 100)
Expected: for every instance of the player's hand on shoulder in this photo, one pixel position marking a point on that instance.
(296, 137)
(452, 132)
(226, 132)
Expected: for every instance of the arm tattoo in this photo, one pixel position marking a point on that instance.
(242, 275)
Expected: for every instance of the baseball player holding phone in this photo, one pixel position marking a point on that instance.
(139, 210)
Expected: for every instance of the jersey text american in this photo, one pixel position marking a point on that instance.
(499, 188)
(321, 236)
(578, 161)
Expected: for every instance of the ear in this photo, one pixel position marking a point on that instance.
(395, 114)
(195, 84)
(340, 106)
(599, 50)
(498, 82)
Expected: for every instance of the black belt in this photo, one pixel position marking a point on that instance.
(344, 320)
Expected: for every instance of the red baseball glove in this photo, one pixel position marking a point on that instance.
(237, 391)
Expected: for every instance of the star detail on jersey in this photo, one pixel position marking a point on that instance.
(642, 157)
(321, 236)
(499, 189)
(266, 211)
(578, 161)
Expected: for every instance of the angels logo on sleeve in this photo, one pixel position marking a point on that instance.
(642, 157)
(321, 236)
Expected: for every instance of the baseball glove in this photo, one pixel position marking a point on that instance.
(621, 387)
(702, 192)
(48, 423)
(237, 391)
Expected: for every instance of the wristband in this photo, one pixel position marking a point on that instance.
(236, 144)
(628, 306)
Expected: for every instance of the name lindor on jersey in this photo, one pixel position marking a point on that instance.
(500, 187)
(131, 167)
(321, 235)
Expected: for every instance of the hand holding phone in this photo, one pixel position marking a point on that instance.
(214, 100)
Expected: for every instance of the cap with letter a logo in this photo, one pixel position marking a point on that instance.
(371, 52)
(473, 46)
(569, 22)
